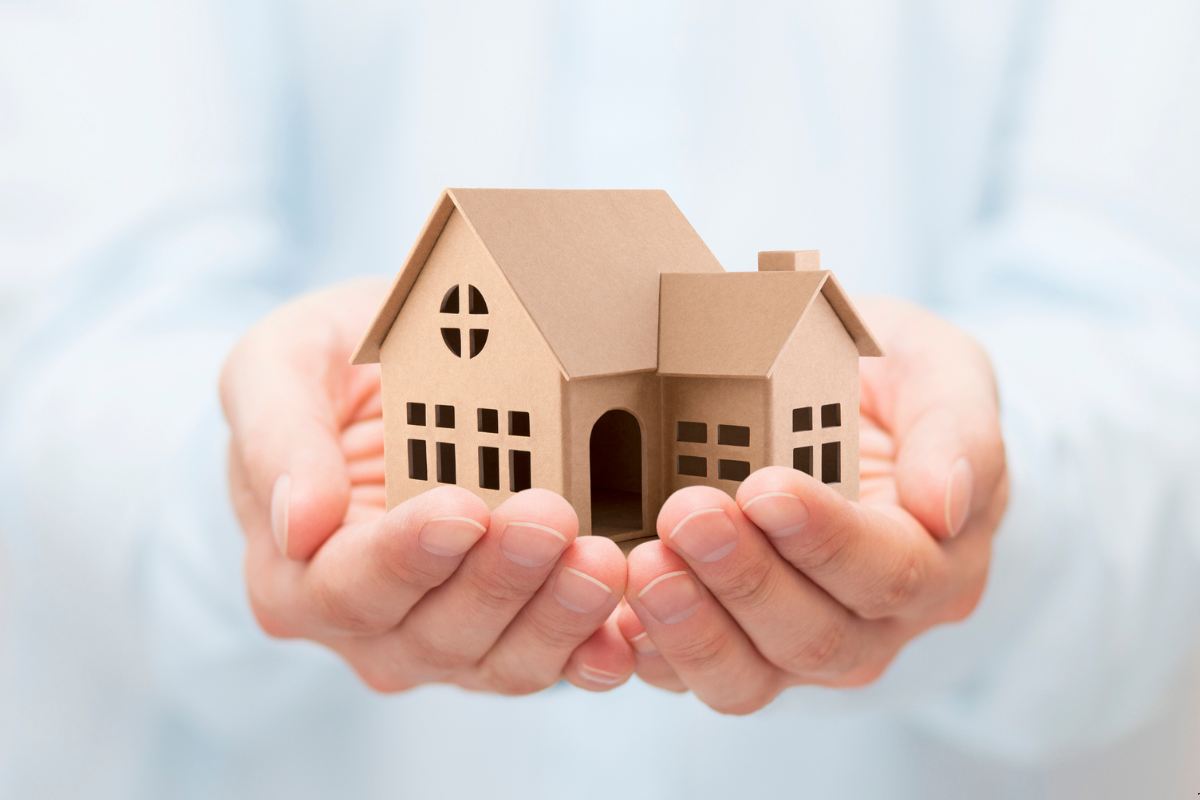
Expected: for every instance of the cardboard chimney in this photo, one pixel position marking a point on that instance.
(589, 343)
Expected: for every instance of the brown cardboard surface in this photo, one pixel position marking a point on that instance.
(817, 366)
(730, 325)
(587, 400)
(585, 265)
(789, 260)
(514, 371)
(855, 325)
(714, 402)
(608, 322)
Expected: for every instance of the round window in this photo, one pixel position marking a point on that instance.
(452, 333)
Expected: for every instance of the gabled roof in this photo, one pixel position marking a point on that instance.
(585, 265)
(735, 324)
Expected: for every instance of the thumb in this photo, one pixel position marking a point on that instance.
(286, 437)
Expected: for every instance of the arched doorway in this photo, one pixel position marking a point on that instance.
(615, 453)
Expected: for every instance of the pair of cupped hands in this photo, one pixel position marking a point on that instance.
(786, 584)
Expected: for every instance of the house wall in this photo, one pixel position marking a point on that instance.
(817, 366)
(587, 400)
(713, 402)
(514, 371)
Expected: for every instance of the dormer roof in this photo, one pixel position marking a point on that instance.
(734, 325)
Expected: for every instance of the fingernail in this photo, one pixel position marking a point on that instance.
(777, 514)
(671, 598)
(705, 535)
(599, 675)
(450, 536)
(580, 592)
(280, 497)
(530, 544)
(642, 645)
(958, 495)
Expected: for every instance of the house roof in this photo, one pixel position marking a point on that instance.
(584, 264)
(734, 325)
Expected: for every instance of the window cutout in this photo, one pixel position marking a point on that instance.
(802, 419)
(831, 415)
(418, 469)
(692, 465)
(416, 413)
(519, 470)
(831, 462)
(518, 424)
(489, 420)
(443, 416)
(489, 468)
(453, 339)
(478, 338)
(450, 301)
(475, 302)
(733, 470)
(446, 472)
(691, 432)
(802, 459)
(733, 435)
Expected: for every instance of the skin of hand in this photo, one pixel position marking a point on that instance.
(437, 589)
(791, 583)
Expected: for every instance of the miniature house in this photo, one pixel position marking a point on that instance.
(588, 342)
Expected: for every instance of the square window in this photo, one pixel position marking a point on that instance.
(831, 462)
(443, 416)
(418, 468)
(446, 472)
(733, 470)
(416, 413)
(831, 415)
(489, 420)
(692, 465)
(734, 435)
(802, 459)
(520, 472)
(518, 424)
(802, 419)
(489, 468)
(691, 432)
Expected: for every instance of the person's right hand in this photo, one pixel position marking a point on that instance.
(435, 590)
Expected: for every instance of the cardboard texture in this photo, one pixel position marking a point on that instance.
(589, 343)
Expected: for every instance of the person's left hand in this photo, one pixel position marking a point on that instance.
(793, 584)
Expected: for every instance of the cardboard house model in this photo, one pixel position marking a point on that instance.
(589, 343)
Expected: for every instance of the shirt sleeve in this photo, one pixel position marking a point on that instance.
(1081, 279)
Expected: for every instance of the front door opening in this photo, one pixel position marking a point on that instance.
(616, 462)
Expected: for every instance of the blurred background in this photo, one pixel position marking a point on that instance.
(169, 172)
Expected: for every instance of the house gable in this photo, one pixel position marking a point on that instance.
(464, 354)
(584, 264)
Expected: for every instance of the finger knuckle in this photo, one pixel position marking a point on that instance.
(701, 653)
(433, 657)
(412, 572)
(749, 586)
(337, 609)
(816, 651)
(551, 635)
(497, 591)
(741, 705)
(381, 680)
(515, 683)
(897, 588)
(823, 547)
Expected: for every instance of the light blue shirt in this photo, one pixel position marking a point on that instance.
(168, 172)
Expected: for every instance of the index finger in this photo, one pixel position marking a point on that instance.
(286, 389)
